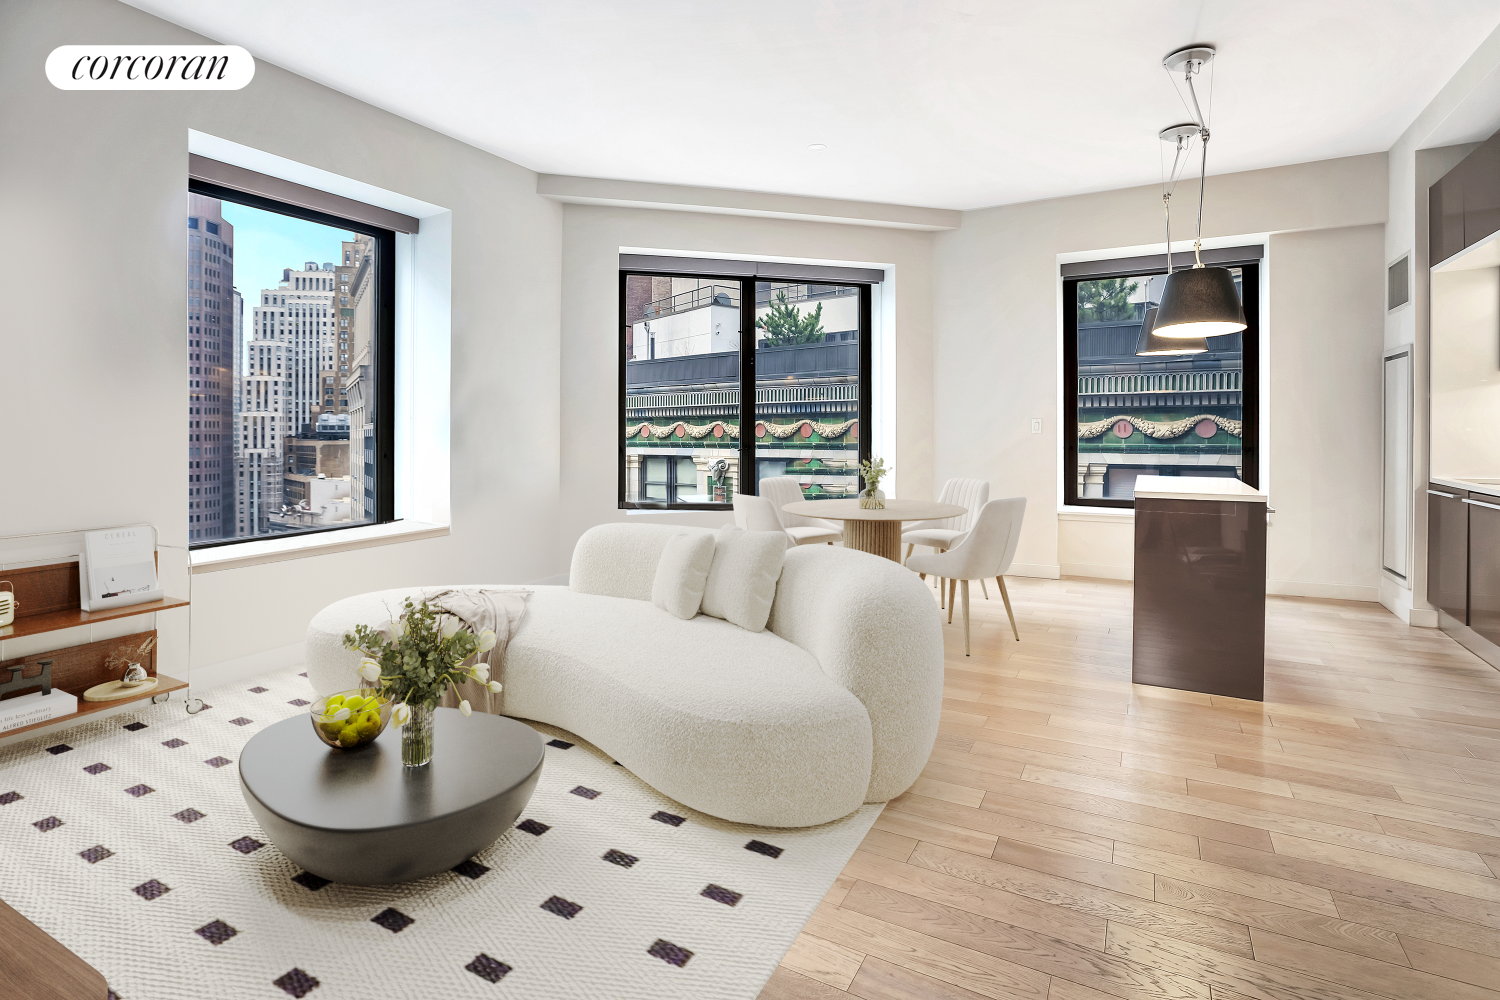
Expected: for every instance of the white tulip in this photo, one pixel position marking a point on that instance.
(394, 631)
(369, 670)
(482, 672)
(340, 715)
(486, 641)
(451, 626)
(463, 707)
(400, 715)
(494, 686)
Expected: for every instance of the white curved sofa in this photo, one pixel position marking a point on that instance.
(834, 705)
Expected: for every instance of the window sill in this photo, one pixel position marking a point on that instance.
(1098, 514)
(270, 550)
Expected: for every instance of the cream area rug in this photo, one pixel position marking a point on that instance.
(128, 840)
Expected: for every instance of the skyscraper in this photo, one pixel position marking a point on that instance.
(210, 286)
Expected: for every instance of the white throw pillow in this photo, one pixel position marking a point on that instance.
(682, 573)
(742, 582)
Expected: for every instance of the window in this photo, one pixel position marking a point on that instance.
(1173, 415)
(262, 382)
(693, 415)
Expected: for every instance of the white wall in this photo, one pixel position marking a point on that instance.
(93, 187)
(996, 302)
(592, 239)
(1466, 373)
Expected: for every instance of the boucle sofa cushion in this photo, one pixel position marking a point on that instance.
(682, 574)
(742, 582)
(619, 560)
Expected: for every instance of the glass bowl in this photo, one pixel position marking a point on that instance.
(345, 729)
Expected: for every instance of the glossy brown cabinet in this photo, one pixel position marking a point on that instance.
(1484, 565)
(1445, 216)
(1463, 207)
(1448, 551)
(1199, 621)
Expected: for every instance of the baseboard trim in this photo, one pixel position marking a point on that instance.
(1037, 571)
(278, 658)
(1326, 591)
(1099, 572)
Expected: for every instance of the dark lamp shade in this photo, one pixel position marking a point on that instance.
(1149, 345)
(1199, 302)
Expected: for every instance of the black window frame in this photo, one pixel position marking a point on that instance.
(747, 452)
(384, 352)
(1250, 364)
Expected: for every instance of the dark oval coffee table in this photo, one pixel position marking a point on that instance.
(364, 818)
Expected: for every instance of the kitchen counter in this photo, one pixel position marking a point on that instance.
(1485, 485)
(1198, 488)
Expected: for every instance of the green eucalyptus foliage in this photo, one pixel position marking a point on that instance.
(420, 663)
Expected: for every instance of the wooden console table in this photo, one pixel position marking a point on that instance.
(37, 967)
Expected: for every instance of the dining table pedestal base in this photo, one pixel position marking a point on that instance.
(881, 538)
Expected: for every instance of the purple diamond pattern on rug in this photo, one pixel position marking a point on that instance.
(188, 815)
(216, 932)
(174, 743)
(218, 761)
(532, 827)
(241, 721)
(587, 793)
(470, 869)
(259, 690)
(296, 982)
(134, 727)
(620, 858)
(669, 953)
(561, 907)
(96, 854)
(150, 890)
(299, 702)
(488, 968)
(111, 995)
(719, 894)
(668, 818)
(136, 791)
(246, 845)
(560, 744)
(311, 882)
(50, 823)
(60, 748)
(10, 797)
(97, 768)
(392, 920)
(303, 674)
(761, 847)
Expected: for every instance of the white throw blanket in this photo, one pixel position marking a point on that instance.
(498, 609)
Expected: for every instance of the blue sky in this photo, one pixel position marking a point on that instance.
(265, 244)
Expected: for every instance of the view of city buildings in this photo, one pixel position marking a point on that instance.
(1151, 416)
(683, 411)
(271, 374)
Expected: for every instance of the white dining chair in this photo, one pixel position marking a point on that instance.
(757, 514)
(971, 494)
(782, 490)
(986, 551)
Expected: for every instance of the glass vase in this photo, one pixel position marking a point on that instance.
(872, 500)
(416, 736)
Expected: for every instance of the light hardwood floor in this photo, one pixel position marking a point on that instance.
(1075, 838)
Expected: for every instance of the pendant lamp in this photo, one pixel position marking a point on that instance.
(1150, 346)
(1200, 301)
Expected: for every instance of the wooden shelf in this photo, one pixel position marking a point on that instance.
(52, 621)
(164, 685)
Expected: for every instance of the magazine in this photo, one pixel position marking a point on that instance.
(117, 568)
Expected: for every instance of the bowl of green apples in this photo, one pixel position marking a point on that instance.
(350, 720)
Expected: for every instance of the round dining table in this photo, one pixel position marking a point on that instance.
(875, 531)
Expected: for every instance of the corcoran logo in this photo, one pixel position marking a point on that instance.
(150, 67)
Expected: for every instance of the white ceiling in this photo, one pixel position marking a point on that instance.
(939, 103)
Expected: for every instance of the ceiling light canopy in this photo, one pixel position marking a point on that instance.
(1201, 301)
(1151, 346)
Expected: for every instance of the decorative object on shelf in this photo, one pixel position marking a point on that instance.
(136, 681)
(7, 603)
(1199, 301)
(350, 720)
(117, 568)
(135, 675)
(872, 472)
(39, 706)
(414, 660)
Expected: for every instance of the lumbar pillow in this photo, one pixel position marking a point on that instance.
(682, 573)
(742, 581)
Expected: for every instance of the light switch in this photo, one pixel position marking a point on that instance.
(1036, 425)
